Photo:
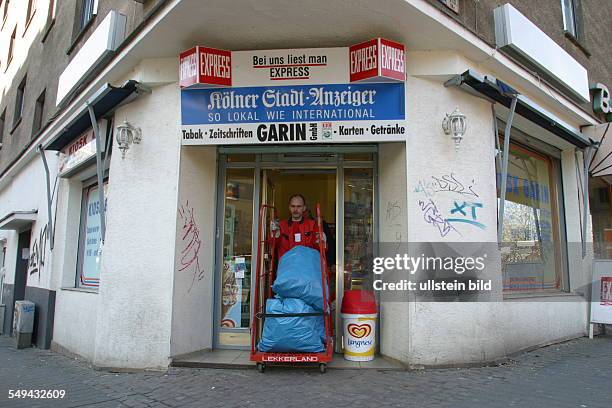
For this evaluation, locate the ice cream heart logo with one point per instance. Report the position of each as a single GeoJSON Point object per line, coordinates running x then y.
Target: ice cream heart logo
{"type": "Point", "coordinates": [359, 330]}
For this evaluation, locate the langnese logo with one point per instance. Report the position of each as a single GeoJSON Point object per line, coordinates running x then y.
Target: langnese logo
{"type": "Point", "coordinates": [359, 330]}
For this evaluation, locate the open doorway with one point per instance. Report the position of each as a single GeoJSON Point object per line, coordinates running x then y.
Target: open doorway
{"type": "Point", "coordinates": [344, 187]}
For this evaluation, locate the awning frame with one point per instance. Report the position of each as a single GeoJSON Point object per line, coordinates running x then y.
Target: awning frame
{"type": "Point", "coordinates": [495, 90]}
{"type": "Point", "coordinates": [102, 103]}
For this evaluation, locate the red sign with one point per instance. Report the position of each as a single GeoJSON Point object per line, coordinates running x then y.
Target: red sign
{"type": "Point", "coordinates": [377, 59]}
{"type": "Point", "coordinates": [205, 66]}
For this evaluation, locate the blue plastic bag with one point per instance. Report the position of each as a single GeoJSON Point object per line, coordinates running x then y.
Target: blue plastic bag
{"type": "Point", "coordinates": [299, 276]}
{"type": "Point", "coordinates": [292, 334]}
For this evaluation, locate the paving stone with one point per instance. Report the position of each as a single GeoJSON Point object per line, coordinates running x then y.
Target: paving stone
{"type": "Point", "coordinates": [577, 374]}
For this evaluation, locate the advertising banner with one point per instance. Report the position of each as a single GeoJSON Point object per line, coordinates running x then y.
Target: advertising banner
{"type": "Point", "coordinates": [294, 114]}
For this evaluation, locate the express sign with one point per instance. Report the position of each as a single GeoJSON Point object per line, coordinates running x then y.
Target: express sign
{"type": "Point", "coordinates": [202, 65]}
{"type": "Point", "coordinates": [377, 60]}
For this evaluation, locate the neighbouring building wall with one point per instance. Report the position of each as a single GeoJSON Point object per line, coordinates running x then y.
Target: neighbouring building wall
{"type": "Point", "coordinates": [27, 192]}
{"type": "Point", "coordinates": [193, 292]}
{"type": "Point", "coordinates": [137, 268]}
{"type": "Point", "coordinates": [591, 49]}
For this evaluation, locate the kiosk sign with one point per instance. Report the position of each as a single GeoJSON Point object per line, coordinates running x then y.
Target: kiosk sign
{"type": "Point", "coordinates": [295, 95]}
{"type": "Point", "coordinates": [302, 114]}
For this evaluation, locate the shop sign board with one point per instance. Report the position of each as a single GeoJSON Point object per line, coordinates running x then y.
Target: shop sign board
{"type": "Point", "coordinates": [601, 302]}
{"type": "Point", "coordinates": [294, 114]}
{"type": "Point", "coordinates": [81, 149]}
{"type": "Point", "coordinates": [329, 95]}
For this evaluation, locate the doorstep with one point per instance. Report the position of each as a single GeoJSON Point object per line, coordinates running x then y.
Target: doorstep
{"type": "Point", "coordinates": [240, 359]}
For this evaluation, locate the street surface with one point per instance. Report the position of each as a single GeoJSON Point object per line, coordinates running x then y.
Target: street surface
{"type": "Point", "coordinates": [577, 373]}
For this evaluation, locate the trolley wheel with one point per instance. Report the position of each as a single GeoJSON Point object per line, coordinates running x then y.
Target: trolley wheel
{"type": "Point", "coordinates": [261, 367]}
{"type": "Point", "coordinates": [322, 368]}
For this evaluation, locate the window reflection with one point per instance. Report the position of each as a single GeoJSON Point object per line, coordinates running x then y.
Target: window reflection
{"type": "Point", "coordinates": [529, 248]}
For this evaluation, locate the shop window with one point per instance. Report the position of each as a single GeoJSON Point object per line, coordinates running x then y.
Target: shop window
{"type": "Point", "coordinates": [19, 101]}
{"type": "Point", "coordinates": [358, 156]}
{"type": "Point", "coordinates": [5, 10]}
{"type": "Point", "coordinates": [241, 158]}
{"type": "Point", "coordinates": [90, 237]}
{"type": "Point", "coordinates": [88, 10]}
{"type": "Point", "coordinates": [237, 267]}
{"type": "Point", "coordinates": [2, 120]}
{"type": "Point", "coordinates": [39, 110]}
{"type": "Point", "coordinates": [30, 12]}
{"type": "Point", "coordinates": [601, 217]}
{"type": "Point", "coordinates": [531, 258]}
{"type": "Point", "coordinates": [571, 18]}
{"type": "Point", "coordinates": [11, 47]}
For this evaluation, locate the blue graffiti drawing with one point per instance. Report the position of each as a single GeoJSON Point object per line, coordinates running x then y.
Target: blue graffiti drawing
{"type": "Point", "coordinates": [463, 210]}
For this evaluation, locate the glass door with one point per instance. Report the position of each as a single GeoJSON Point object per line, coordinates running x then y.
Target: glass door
{"type": "Point", "coordinates": [235, 282]}
{"type": "Point", "coordinates": [358, 228]}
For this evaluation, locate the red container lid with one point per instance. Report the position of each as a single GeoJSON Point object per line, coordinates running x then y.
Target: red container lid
{"type": "Point", "coordinates": [358, 302]}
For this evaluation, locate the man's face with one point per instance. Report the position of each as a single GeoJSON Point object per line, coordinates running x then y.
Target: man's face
{"type": "Point", "coordinates": [296, 208]}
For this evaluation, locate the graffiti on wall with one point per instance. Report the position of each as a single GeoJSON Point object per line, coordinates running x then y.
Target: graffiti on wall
{"type": "Point", "coordinates": [463, 209]}
{"type": "Point", "coordinates": [449, 183]}
{"type": "Point", "coordinates": [190, 244]}
{"type": "Point", "coordinates": [393, 219]}
{"type": "Point", "coordinates": [432, 216]}
{"type": "Point", "coordinates": [38, 253]}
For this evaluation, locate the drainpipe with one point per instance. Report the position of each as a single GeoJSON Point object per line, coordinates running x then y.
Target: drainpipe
{"type": "Point", "coordinates": [587, 157]}
{"type": "Point", "coordinates": [504, 170]}
{"type": "Point", "coordinates": [41, 151]}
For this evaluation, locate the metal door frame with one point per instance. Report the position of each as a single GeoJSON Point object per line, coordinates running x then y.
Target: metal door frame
{"type": "Point", "coordinates": [335, 163]}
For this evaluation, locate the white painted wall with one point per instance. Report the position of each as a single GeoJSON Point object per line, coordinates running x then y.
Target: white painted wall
{"type": "Point", "coordinates": [74, 326]}
{"type": "Point", "coordinates": [452, 333]}
{"type": "Point", "coordinates": [394, 325]}
{"type": "Point", "coordinates": [193, 294]}
{"type": "Point", "coordinates": [137, 269]}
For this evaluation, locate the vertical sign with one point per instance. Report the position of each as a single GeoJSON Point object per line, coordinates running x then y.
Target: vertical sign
{"type": "Point", "coordinates": [205, 66]}
{"type": "Point", "coordinates": [377, 60]}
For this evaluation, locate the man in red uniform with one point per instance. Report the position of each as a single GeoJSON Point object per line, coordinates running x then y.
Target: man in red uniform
{"type": "Point", "coordinates": [298, 229]}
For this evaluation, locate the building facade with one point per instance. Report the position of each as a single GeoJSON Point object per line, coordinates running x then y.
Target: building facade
{"type": "Point", "coordinates": [138, 253]}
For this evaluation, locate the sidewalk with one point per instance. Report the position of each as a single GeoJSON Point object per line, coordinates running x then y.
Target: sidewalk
{"type": "Point", "coordinates": [577, 373]}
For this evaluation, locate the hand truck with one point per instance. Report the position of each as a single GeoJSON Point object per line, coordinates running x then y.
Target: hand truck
{"type": "Point", "coordinates": [264, 278]}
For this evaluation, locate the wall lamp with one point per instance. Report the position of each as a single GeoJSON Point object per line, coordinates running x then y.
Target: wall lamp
{"type": "Point", "coordinates": [455, 124]}
{"type": "Point", "coordinates": [126, 135]}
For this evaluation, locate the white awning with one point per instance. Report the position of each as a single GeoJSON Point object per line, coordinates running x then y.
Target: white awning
{"type": "Point", "coordinates": [17, 220]}
{"type": "Point", "coordinates": [601, 165]}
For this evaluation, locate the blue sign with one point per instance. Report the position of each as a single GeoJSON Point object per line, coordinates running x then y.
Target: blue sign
{"type": "Point", "coordinates": [306, 103]}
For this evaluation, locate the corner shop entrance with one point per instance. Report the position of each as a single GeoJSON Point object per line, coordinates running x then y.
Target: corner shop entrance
{"type": "Point", "coordinates": [327, 175]}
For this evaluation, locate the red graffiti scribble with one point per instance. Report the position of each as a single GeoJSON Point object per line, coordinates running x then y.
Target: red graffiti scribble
{"type": "Point", "coordinates": [191, 243]}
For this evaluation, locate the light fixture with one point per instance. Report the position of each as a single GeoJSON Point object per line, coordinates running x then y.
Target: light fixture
{"type": "Point", "coordinates": [455, 124]}
{"type": "Point", "coordinates": [126, 135]}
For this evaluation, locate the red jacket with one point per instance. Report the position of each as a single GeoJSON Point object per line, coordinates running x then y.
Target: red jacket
{"type": "Point", "coordinates": [295, 233]}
